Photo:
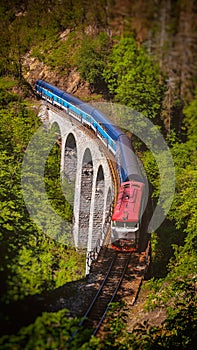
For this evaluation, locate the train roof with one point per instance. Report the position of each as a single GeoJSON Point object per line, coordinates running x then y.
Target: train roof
{"type": "Point", "coordinates": [60, 93]}
{"type": "Point", "coordinates": [128, 207]}
{"type": "Point", "coordinates": [113, 131]}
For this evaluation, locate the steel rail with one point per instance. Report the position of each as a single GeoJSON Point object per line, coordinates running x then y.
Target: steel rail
{"type": "Point", "coordinates": [99, 291]}
{"type": "Point", "coordinates": [84, 318]}
{"type": "Point", "coordinates": [96, 297]}
{"type": "Point", "coordinates": [113, 296]}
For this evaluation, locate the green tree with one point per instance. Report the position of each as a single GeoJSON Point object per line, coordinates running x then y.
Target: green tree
{"type": "Point", "coordinates": [91, 58]}
{"type": "Point", "coordinates": [133, 78]}
{"type": "Point", "coordinates": [184, 209]}
{"type": "Point", "coordinates": [30, 261]}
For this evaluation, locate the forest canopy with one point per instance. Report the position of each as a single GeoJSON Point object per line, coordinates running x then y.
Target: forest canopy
{"type": "Point", "coordinates": [142, 55]}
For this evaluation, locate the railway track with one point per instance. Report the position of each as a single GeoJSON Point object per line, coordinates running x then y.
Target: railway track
{"type": "Point", "coordinates": [114, 265]}
{"type": "Point", "coordinates": [99, 306]}
{"type": "Point", "coordinates": [120, 275]}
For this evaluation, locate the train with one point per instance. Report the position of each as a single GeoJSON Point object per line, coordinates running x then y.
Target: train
{"type": "Point", "coordinates": [128, 210]}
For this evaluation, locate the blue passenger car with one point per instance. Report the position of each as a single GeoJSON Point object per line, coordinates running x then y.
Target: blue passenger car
{"type": "Point", "coordinates": [75, 107]}
{"type": "Point", "coordinates": [111, 135]}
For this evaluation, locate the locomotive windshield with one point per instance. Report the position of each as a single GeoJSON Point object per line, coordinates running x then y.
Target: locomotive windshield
{"type": "Point", "coordinates": [125, 224]}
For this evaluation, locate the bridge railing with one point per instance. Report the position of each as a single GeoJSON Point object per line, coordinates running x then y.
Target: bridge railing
{"type": "Point", "coordinates": [105, 240]}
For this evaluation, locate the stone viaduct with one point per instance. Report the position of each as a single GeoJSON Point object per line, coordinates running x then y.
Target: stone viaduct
{"type": "Point", "coordinates": [86, 180]}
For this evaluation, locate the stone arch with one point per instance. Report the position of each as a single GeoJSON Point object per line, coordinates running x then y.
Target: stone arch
{"type": "Point", "coordinates": [70, 141]}
{"type": "Point", "coordinates": [98, 208]}
{"type": "Point", "coordinates": [70, 158]}
{"type": "Point", "coordinates": [69, 168]}
{"type": "Point", "coordinates": [85, 198]}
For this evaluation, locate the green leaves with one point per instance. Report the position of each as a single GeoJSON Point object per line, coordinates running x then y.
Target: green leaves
{"type": "Point", "coordinates": [184, 209]}
{"type": "Point", "coordinates": [91, 57]}
{"type": "Point", "coordinates": [190, 121]}
{"type": "Point", "coordinates": [177, 291]}
{"type": "Point", "coordinates": [50, 331]}
{"type": "Point", "coordinates": [133, 78]}
{"type": "Point", "coordinates": [30, 261]}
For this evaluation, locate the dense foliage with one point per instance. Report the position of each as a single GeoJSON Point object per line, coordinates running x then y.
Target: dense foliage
{"type": "Point", "coordinates": [30, 261]}
{"type": "Point", "coordinates": [134, 79]}
{"type": "Point", "coordinates": [91, 58]}
{"type": "Point", "coordinates": [145, 60]}
{"type": "Point", "coordinates": [50, 331]}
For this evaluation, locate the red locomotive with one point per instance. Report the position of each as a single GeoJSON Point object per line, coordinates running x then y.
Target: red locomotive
{"type": "Point", "coordinates": [127, 216]}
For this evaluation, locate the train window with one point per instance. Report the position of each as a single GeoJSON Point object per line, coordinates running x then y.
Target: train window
{"type": "Point", "coordinates": [127, 186]}
{"type": "Point", "coordinates": [132, 224]}
{"type": "Point", "coordinates": [118, 223]}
